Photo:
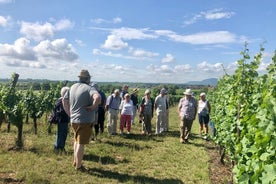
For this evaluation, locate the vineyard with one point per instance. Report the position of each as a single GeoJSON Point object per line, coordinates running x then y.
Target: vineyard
{"type": "Point", "coordinates": [243, 111]}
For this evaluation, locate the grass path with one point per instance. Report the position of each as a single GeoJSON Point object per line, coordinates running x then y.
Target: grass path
{"type": "Point", "coordinates": [131, 158]}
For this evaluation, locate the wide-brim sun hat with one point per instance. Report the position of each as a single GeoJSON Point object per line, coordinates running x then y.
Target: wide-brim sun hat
{"type": "Point", "coordinates": [147, 91]}
{"type": "Point", "coordinates": [127, 95]}
{"type": "Point", "coordinates": [84, 74]}
{"type": "Point", "coordinates": [135, 90]}
{"type": "Point", "coordinates": [202, 94]}
{"type": "Point", "coordinates": [188, 92]}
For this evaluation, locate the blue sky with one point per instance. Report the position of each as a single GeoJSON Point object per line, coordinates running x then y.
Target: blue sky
{"type": "Point", "coordinates": [168, 41]}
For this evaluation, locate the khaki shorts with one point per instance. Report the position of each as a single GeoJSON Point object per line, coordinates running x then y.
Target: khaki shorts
{"type": "Point", "coordinates": [82, 132]}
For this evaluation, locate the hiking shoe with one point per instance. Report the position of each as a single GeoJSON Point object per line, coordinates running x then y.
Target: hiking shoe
{"type": "Point", "coordinates": [82, 169]}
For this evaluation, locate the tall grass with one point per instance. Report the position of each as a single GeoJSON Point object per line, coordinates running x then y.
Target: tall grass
{"type": "Point", "coordinates": [131, 158]}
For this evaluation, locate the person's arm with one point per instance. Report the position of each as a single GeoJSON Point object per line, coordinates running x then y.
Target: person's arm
{"type": "Point", "coordinates": [179, 107]}
{"type": "Point", "coordinates": [66, 105]}
{"type": "Point", "coordinates": [195, 101]}
{"type": "Point", "coordinates": [96, 101]}
{"type": "Point", "coordinates": [209, 106]}
{"type": "Point", "coordinates": [155, 103]}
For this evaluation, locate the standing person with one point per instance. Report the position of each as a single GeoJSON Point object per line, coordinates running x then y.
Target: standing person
{"type": "Point", "coordinates": [161, 107]}
{"type": "Point", "coordinates": [187, 109]}
{"type": "Point", "coordinates": [62, 124]}
{"type": "Point", "coordinates": [124, 91]}
{"type": "Point", "coordinates": [146, 112]}
{"type": "Point", "coordinates": [204, 109]}
{"type": "Point", "coordinates": [99, 127]}
{"type": "Point", "coordinates": [112, 107]}
{"type": "Point", "coordinates": [82, 100]}
{"type": "Point", "coordinates": [134, 98]}
{"type": "Point", "coordinates": [166, 126]}
{"type": "Point", "coordinates": [126, 109]}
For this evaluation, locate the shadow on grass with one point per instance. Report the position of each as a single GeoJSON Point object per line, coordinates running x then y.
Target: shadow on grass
{"type": "Point", "coordinates": [132, 146]}
{"type": "Point", "coordinates": [122, 178]}
{"type": "Point", "coordinates": [103, 160]}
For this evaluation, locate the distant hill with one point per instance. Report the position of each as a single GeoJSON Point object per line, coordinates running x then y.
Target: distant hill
{"type": "Point", "coordinates": [210, 81]}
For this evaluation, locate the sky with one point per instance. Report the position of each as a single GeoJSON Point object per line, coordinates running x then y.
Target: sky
{"type": "Point", "coordinates": [151, 41]}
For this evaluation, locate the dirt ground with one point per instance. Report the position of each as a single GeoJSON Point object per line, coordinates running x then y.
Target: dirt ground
{"type": "Point", "coordinates": [219, 173]}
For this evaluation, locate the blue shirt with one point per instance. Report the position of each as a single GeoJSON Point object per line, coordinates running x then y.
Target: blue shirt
{"type": "Point", "coordinates": [113, 102]}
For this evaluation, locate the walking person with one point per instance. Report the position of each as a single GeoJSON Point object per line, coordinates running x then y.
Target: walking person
{"type": "Point", "coordinates": [146, 112]}
{"type": "Point", "coordinates": [112, 108]}
{"type": "Point", "coordinates": [99, 127]}
{"type": "Point", "coordinates": [62, 124]}
{"type": "Point", "coordinates": [161, 107]}
{"type": "Point", "coordinates": [134, 99]}
{"type": "Point", "coordinates": [126, 110]}
{"type": "Point", "coordinates": [81, 103]}
{"type": "Point", "coordinates": [187, 109]}
{"type": "Point", "coordinates": [204, 109]}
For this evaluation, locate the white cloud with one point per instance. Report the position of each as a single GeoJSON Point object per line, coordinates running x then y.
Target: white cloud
{"type": "Point", "coordinates": [80, 42]}
{"type": "Point", "coordinates": [45, 55]}
{"type": "Point", "coordinates": [160, 70]}
{"type": "Point", "coordinates": [37, 31]}
{"type": "Point", "coordinates": [5, 1]}
{"type": "Point", "coordinates": [203, 38]}
{"type": "Point", "coordinates": [132, 33]}
{"type": "Point", "coordinates": [183, 68]}
{"type": "Point", "coordinates": [217, 14]}
{"type": "Point", "coordinates": [63, 24]}
{"type": "Point", "coordinates": [4, 21]}
{"type": "Point", "coordinates": [57, 49]}
{"type": "Point", "coordinates": [20, 50]}
{"type": "Point", "coordinates": [210, 15]}
{"type": "Point", "coordinates": [168, 59]}
{"type": "Point", "coordinates": [214, 37]}
{"type": "Point", "coordinates": [114, 42]}
{"type": "Point", "coordinates": [115, 20]}
{"type": "Point", "coordinates": [142, 53]}
{"type": "Point", "coordinates": [207, 67]}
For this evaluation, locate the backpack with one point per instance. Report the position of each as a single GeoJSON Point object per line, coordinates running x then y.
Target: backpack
{"type": "Point", "coordinates": [55, 116]}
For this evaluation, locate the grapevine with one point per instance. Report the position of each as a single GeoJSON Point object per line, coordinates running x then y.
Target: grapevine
{"type": "Point", "coordinates": [244, 110]}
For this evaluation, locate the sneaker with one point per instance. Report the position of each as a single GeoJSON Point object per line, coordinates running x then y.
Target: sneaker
{"type": "Point", "coordinates": [128, 132]}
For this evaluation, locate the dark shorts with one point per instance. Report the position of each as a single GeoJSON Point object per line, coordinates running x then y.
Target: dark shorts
{"type": "Point", "coordinates": [82, 132]}
{"type": "Point", "coordinates": [203, 119]}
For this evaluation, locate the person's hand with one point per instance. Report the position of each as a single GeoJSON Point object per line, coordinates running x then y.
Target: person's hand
{"type": "Point", "coordinates": [89, 108]}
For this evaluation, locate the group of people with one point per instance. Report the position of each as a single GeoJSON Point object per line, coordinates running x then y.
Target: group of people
{"type": "Point", "coordinates": [127, 106]}
{"type": "Point", "coordinates": [85, 106]}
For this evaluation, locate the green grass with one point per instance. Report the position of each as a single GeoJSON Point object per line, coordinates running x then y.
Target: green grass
{"type": "Point", "coordinates": [112, 159]}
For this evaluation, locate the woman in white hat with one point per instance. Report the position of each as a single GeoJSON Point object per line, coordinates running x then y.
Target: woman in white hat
{"type": "Point", "coordinates": [187, 109]}
{"type": "Point", "coordinates": [204, 109]}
